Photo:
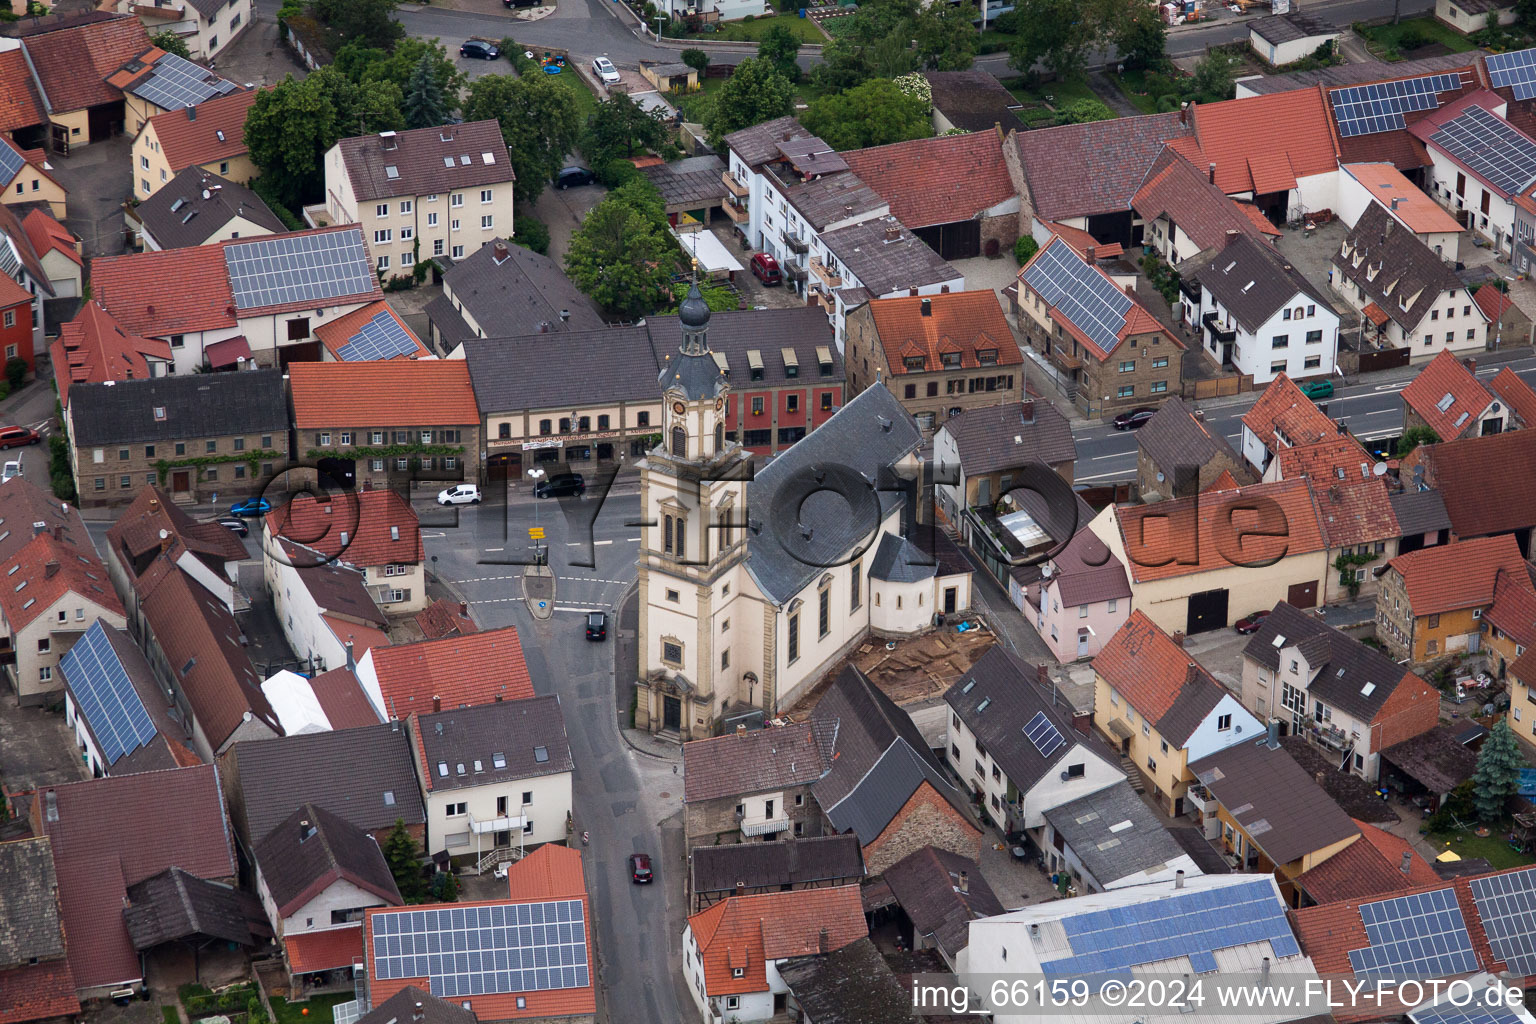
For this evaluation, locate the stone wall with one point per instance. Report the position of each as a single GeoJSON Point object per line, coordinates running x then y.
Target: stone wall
{"type": "Point", "coordinates": [926, 820]}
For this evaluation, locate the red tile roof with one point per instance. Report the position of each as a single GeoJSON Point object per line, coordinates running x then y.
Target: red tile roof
{"type": "Point", "coordinates": [1370, 867]}
{"type": "Point", "coordinates": [1494, 303]}
{"type": "Point", "coordinates": [1264, 143]}
{"type": "Point", "coordinates": [1375, 314]}
{"type": "Point", "coordinates": [1137, 319]}
{"type": "Point", "coordinates": [1415, 209]}
{"type": "Point", "coordinates": [363, 528]}
{"type": "Point", "coordinates": [323, 951]}
{"type": "Point", "coordinates": [962, 323]}
{"type": "Point", "coordinates": [37, 992]}
{"type": "Point", "coordinates": [1515, 392]}
{"type": "Point", "coordinates": [1079, 170]}
{"type": "Point", "coordinates": [1184, 193]}
{"type": "Point", "coordinates": [73, 63]}
{"type": "Point", "coordinates": [133, 289]}
{"type": "Point", "coordinates": [551, 872]}
{"type": "Point", "coordinates": [47, 569]}
{"type": "Point", "coordinates": [20, 106]}
{"type": "Point", "coordinates": [1447, 396]}
{"type": "Point", "coordinates": [13, 294]}
{"type": "Point", "coordinates": [1514, 607]}
{"type": "Point", "coordinates": [1481, 502]}
{"type": "Point", "coordinates": [1081, 241]}
{"type": "Point", "coordinates": [443, 618]}
{"type": "Point", "coordinates": [1271, 521]}
{"type": "Point", "coordinates": [93, 348]}
{"type": "Point", "coordinates": [1448, 577]}
{"type": "Point", "coordinates": [189, 143]}
{"type": "Point", "coordinates": [47, 234]}
{"type": "Point", "coordinates": [1339, 457]}
{"type": "Point", "coordinates": [938, 180]}
{"type": "Point", "coordinates": [460, 670]}
{"type": "Point", "coordinates": [1158, 678]}
{"type": "Point", "coordinates": [363, 638]}
{"type": "Point", "coordinates": [178, 821]}
{"type": "Point", "coordinates": [747, 931]}
{"type": "Point", "coordinates": [1225, 482]}
{"type": "Point", "coordinates": [1282, 407]}
{"type": "Point", "coordinates": [342, 699]}
{"type": "Point", "coordinates": [1353, 512]}
{"type": "Point", "coordinates": [338, 332]}
{"type": "Point", "coordinates": [391, 392]}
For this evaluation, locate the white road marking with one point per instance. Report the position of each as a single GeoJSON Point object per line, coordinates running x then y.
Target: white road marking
{"type": "Point", "coordinates": [1113, 455]}
{"type": "Point", "coordinates": [590, 579]}
{"type": "Point", "coordinates": [633, 540]}
{"type": "Point", "coordinates": [583, 608]}
{"type": "Point", "coordinates": [1101, 476]}
{"type": "Point", "coordinates": [495, 549]}
{"type": "Point", "coordinates": [1381, 412]}
{"type": "Point", "coordinates": [600, 543]}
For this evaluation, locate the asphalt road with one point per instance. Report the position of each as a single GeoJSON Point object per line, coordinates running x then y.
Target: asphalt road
{"type": "Point", "coordinates": [621, 797]}
{"type": "Point", "coordinates": [1371, 411]}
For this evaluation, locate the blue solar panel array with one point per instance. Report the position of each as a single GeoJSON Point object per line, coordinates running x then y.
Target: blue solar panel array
{"type": "Point", "coordinates": [1414, 936]}
{"type": "Point", "coordinates": [1083, 295]}
{"type": "Point", "coordinates": [472, 951]}
{"type": "Point", "coordinates": [1491, 148]}
{"type": "Point", "coordinates": [1043, 734]}
{"type": "Point", "coordinates": [381, 338]}
{"type": "Point", "coordinates": [11, 163]}
{"type": "Point", "coordinates": [1110, 942]}
{"type": "Point", "coordinates": [1367, 109]}
{"type": "Point", "coordinates": [311, 268]}
{"type": "Point", "coordinates": [1516, 70]}
{"type": "Point", "coordinates": [105, 695]}
{"type": "Point", "coordinates": [176, 83]}
{"type": "Point", "coordinates": [1507, 906]}
{"type": "Point", "coordinates": [1445, 1013]}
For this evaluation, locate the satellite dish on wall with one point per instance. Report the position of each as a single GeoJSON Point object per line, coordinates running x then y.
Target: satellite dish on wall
{"type": "Point", "coordinates": [1380, 469]}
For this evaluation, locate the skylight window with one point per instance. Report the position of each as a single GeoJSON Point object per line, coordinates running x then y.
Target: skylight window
{"type": "Point", "coordinates": [986, 703]}
{"type": "Point", "coordinates": [498, 760]}
{"type": "Point", "coordinates": [541, 754]}
{"type": "Point", "coordinates": [1367, 689]}
{"type": "Point", "coordinates": [964, 689]}
{"type": "Point", "coordinates": [489, 158]}
{"type": "Point", "coordinates": [391, 172]}
{"type": "Point", "coordinates": [389, 798]}
{"type": "Point", "coordinates": [1446, 402]}
{"type": "Point", "coordinates": [447, 161]}
{"type": "Point", "coordinates": [442, 769]}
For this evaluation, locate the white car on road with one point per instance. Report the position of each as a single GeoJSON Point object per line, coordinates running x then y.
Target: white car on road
{"type": "Point", "coordinates": [12, 469]}
{"type": "Point", "coordinates": [604, 69]}
{"type": "Point", "coordinates": [459, 494]}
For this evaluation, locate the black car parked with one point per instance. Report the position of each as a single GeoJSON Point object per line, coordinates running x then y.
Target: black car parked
{"type": "Point", "coordinates": [483, 49]}
{"type": "Point", "coordinates": [563, 486]}
{"type": "Point", "coordinates": [574, 177]}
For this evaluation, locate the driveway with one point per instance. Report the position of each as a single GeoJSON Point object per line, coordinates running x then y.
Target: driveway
{"type": "Point", "coordinates": [99, 177]}
{"type": "Point", "coordinates": [36, 751]}
{"type": "Point", "coordinates": [562, 211]}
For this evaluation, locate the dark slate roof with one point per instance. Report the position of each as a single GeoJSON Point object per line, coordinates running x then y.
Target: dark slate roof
{"type": "Point", "coordinates": [176, 905]}
{"type": "Point", "coordinates": [1254, 282]}
{"type": "Point", "coordinates": [973, 100]}
{"type": "Point", "coordinates": [473, 737]}
{"type": "Point", "coordinates": [1174, 437]}
{"type": "Point", "coordinates": [1437, 759]}
{"type": "Point", "coordinates": [513, 297]}
{"type": "Point", "coordinates": [927, 885]}
{"type": "Point", "coordinates": [1206, 857]}
{"type": "Point", "coordinates": [885, 265]}
{"type": "Point", "coordinates": [898, 560]}
{"type": "Point", "coordinates": [696, 180]}
{"type": "Point", "coordinates": [197, 405]}
{"type": "Point", "coordinates": [402, 1007]}
{"type": "Point", "coordinates": [1354, 74]}
{"type": "Point", "coordinates": [830, 198]}
{"type": "Point", "coordinates": [868, 436]}
{"type": "Point", "coordinates": [1290, 28]}
{"type": "Point", "coordinates": [760, 143]}
{"type": "Point", "coordinates": [511, 374]}
{"type": "Point", "coordinates": [313, 848]}
{"type": "Point", "coordinates": [880, 759]}
{"type": "Point", "coordinates": [1008, 688]}
{"type": "Point", "coordinates": [1090, 824]}
{"type": "Point", "coordinates": [1348, 669]}
{"type": "Point", "coordinates": [1008, 436]}
{"type": "Point", "coordinates": [1078, 170]}
{"type": "Point", "coordinates": [1284, 811]}
{"type": "Point", "coordinates": [445, 158]}
{"type": "Point", "coordinates": [785, 862]}
{"type": "Point", "coordinates": [195, 219]}
{"type": "Point", "coordinates": [29, 903]}
{"type": "Point", "coordinates": [1087, 572]}
{"type": "Point", "coordinates": [451, 327]}
{"type": "Point", "coordinates": [696, 375]}
{"type": "Point", "coordinates": [1420, 512]}
{"type": "Point", "coordinates": [850, 986]}
{"type": "Point", "coordinates": [805, 329]}
{"type": "Point", "coordinates": [1402, 262]}
{"type": "Point", "coordinates": [353, 772]}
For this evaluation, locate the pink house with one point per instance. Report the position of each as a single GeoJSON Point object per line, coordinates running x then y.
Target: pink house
{"type": "Point", "coordinates": [1080, 600]}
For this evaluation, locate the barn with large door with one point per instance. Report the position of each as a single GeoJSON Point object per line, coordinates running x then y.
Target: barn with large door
{"type": "Point", "coordinates": [1203, 562]}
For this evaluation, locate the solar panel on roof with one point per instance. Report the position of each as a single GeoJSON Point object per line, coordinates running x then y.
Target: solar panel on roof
{"type": "Point", "coordinates": [10, 259]}
{"type": "Point", "coordinates": [299, 269]}
{"type": "Point", "coordinates": [380, 338]}
{"type": "Point", "coordinates": [1513, 70]}
{"type": "Point", "coordinates": [11, 163]}
{"type": "Point", "coordinates": [1083, 295]}
{"type": "Point", "coordinates": [1491, 148]}
{"type": "Point", "coordinates": [1367, 109]}
{"type": "Point", "coordinates": [471, 951]}
{"type": "Point", "coordinates": [176, 83]}
{"type": "Point", "coordinates": [1043, 734]}
{"type": "Point", "coordinates": [1507, 905]}
{"type": "Point", "coordinates": [105, 695]}
{"type": "Point", "coordinates": [1474, 1013]}
{"type": "Point", "coordinates": [1422, 935]}
{"type": "Point", "coordinates": [1187, 924]}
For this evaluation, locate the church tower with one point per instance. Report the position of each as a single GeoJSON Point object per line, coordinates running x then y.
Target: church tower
{"type": "Point", "coordinates": [693, 491]}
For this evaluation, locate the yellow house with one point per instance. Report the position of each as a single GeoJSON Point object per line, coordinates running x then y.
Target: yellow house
{"type": "Point", "coordinates": [24, 178]}
{"type": "Point", "coordinates": [1510, 625]}
{"type": "Point", "coordinates": [1270, 815]}
{"type": "Point", "coordinates": [210, 135]}
{"type": "Point", "coordinates": [1431, 602]}
{"type": "Point", "coordinates": [1161, 710]}
{"type": "Point", "coordinates": [1203, 562]}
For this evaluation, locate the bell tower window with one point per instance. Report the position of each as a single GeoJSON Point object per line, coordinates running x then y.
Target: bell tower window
{"type": "Point", "coordinates": [719, 438]}
{"type": "Point", "coordinates": [679, 442]}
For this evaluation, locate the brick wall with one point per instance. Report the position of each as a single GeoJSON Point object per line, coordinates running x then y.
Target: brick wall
{"type": "Point", "coordinates": [102, 483]}
{"type": "Point", "coordinates": [926, 820]}
{"type": "Point", "coordinates": [1412, 710]}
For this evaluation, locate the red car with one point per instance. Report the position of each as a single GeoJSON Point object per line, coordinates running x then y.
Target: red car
{"type": "Point", "coordinates": [1252, 624]}
{"type": "Point", "coordinates": [766, 269]}
{"type": "Point", "coordinates": [640, 868]}
{"type": "Point", "coordinates": [15, 437]}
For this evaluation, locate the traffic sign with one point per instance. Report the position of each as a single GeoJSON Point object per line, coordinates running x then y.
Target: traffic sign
{"type": "Point", "coordinates": [535, 533]}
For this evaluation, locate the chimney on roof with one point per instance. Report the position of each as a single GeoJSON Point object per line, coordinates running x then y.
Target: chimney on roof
{"type": "Point", "coordinates": [165, 540]}
{"type": "Point", "coordinates": [1211, 171]}
{"type": "Point", "coordinates": [789, 137]}
{"type": "Point", "coordinates": [1471, 365]}
{"type": "Point", "coordinates": [1342, 428]}
{"type": "Point", "coordinates": [437, 703]}
{"type": "Point", "coordinates": [1231, 234]}
{"type": "Point", "coordinates": [1091, 253]}
{"type": "Point", "coordinates": [1407, 861]}
{"type": "Point", "coordinates": [1043, 674]}
{"type": "Point", "coordinates": [1184, 112]}
{"type": "Point", "coordinates": [1264, 972]}
{"type": "Point", "coordinates": [417, 1013]}
{"type": "Point", "coordinates": [964, 884]}
{"type": "Point", "coordinates": [191, 111]}
{"type": "Point", "coordinates": [1395, 201]}
{"type": "Point", "coordinates": [351, 661]}
{"type": "Point", "coordinates": [1027, 413]}
{"type": "Point", "coordinates": [50, 569]}
{"type": "Point", "coordinates": [464, 609]}
{"type": "Point", "coordinates": [1178, 879]}
{"type": "Point", "coordinates": [1272, 739]}
{"type": "Point", "coordinates": [1318, 776]}
{"type": "Point", "coordinates": [1199, 415]}
{"type": "Point", "coordinates": [741, 728]}
{"type": "Point", "coordinates": [892, 234]}
{"type": "Point", "coordinates": [1178, 638]}
{"type": "Point", "coordinates": [500, 253]}
{"type": "Point", "coordinates": [822, 941]}
{"type": "Point", "coordinates": [943, 289]}
{"type": "Point", "coordinates": [58, 532]}
{"type": "Point", "coordinates": [927, 306]}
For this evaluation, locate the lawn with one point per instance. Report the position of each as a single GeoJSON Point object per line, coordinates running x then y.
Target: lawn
{"type": "Point", "coordinates": [319, 1007]}
{"type": "Point", "coordinates": [696, 105]}
{"type": "Point", "coordinates": [1384, 38]}
{"type": "Point", "coordinates": [569, 79]}
{"type": "Point", "coordinates": [170, 1015]}
{"type": "Point", "coordinates": [1057, 94]}
{"type": "Point", "coordinates": [1133, 86]}
{"type": "Point", "coordinates": [803, 29]}
{"type": "Point", "coordinates": [1495, 847]}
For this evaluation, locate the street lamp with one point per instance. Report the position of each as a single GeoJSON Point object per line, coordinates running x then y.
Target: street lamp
{"type": "Point", "coordinates": [536, 474]}
{"type": "Point", "coordinates": [659, 19]}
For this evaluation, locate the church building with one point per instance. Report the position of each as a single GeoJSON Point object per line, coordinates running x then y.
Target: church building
{"type": "Point", "coordinates": [757, 578]}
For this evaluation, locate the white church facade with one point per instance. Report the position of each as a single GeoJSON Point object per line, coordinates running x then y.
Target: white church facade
{"type": "Point", "coordinates": [757, 579]}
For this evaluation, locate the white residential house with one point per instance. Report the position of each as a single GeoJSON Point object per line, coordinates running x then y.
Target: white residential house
{"type": "Point", "coordinates": [1111, 839]}
{"type": "Point", "coordinates": [1481, 181]}
{"type": "Point", "coordinates": [323, 607]}
{"type": "Point", "coordinates": [206, 26]}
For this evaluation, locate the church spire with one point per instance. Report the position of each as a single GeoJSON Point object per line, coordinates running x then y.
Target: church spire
{"type": "Point", "coordinates": [694, 316]}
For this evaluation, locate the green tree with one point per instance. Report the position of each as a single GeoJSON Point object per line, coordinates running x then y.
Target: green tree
{"type": "Point", "coordinates": [531, 233]}
{"type": "Point", "coordinates": [170, 42]}
{"type": "Point", "coordinates": [1412, 438]}
{"type": "Point", "coordinates": [779, 47]}
{"type": "Point", "coordinates": [1083, 111]}
{"type": "Point", "coordinates": [754, 94]}
{"type": "Point", "coordinates": [620, 257]}
{"type": "Point", "coordinates": [619, 124]}
{"type": "Point", "coordinates": [719, 300]}
{"type": "Point", "coordinates": [372, 21]}
{"type": "Point", "coordinates": [400, 64]}
{"type": "Point", "coordinates": [1024, 249]}
{"type": "Point", "coordinates": [1139, 36]}
{"type": "Point", "coordinates": [404, 859]}
{"type": "Point", "coordinates": [946, 37]}
{"type": "Point", "coordinates": [1497, 776]}
{"type": "Point", "coordinates": [540, 122]}
{"type": "Point", "coordinates": [845, 65]}
{"type": "Point", "coordinates": [872, 114]}
{"type": "Point", "coordinates": [696, 59]}
{"type": "Point", "coordinates": [1213, 79]}
{"type": "Point", "coordinates": [1055, 33]}
{"type": "Point", "coordinates": [357, 60]}
{"type": "Point", "coordinates": [641, 196]}
{"type": "Point", "coordinates": [424, 103]}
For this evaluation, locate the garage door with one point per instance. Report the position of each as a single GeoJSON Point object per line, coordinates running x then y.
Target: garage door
{"type": "Point", "coordinates": [1302, 595]}
{"type": "Point", "coordinates": [1207, 611]}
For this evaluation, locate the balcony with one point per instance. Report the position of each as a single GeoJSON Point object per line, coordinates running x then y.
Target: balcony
{"type": "Point", "coordinates": [736, 211]}
{"type": "Point", "coordinates": [1330, 737]}
{"type": "Point", "coordinates": [734, 187]}
{"type": "Point", "coordinates": [795, 243]}
{"type": "Point", "coordinates": [765, 826]}
{"type": "Point", "coordinates": [828, 279]}
{"type": "Point", "coordinates": [1201, 800]}
{"type": "Point", "coordinates": [1226, 337]}
{"type": "Point", "coordinates": [793, 270]}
